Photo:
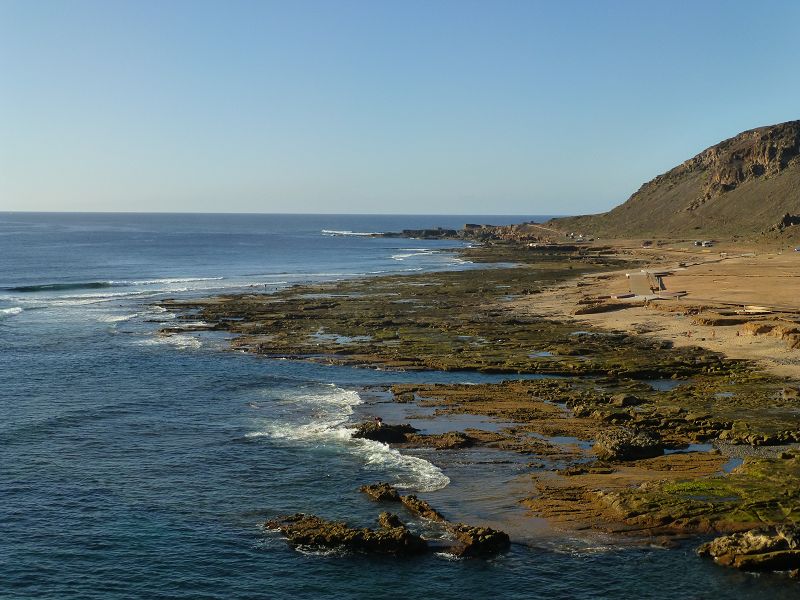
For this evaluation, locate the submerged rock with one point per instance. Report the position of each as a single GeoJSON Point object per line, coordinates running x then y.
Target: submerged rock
{"type": "Point", "coordinates": [627, 444]}
{"type": "Point", "coordinates": [765, 549]}
{"type": "Point", "coordinates": [310, 530]}
{"type": "Point", "coordinates": [380, 432]}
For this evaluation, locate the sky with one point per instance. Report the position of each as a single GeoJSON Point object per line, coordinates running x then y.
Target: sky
{"type": "Point", "coordinates": [336, 106]}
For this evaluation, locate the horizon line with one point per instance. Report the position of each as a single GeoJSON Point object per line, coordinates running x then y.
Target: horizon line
{"type": "Point", "coordinates": [297, 214]}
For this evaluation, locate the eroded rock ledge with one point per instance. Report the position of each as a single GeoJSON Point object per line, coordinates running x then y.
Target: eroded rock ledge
{"type": "Point", "coordinates": [764, 549]}
{"type": "Point", "coordinates": [470, 540]}
{"type": "Point", "coordinates": [393, 537]}
{"type": "Point", "coordinates": [309, 530]}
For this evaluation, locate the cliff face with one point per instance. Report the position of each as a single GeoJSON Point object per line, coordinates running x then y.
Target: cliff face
{"type": "Point", "coordinates": [744, 185]}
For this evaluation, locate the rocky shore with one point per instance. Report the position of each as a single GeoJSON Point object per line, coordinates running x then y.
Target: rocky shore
{"type": "Point", "coordinates": [393, 537]}
{"type": "Point", "coordinates": [625, 433]}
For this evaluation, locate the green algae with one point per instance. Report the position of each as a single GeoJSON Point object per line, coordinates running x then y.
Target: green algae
{"type": "Point", "coordinates": [761, 491]}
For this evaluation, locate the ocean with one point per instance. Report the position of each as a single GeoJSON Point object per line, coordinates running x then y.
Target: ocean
{"type": "Point", "coordinates": [134, 465]}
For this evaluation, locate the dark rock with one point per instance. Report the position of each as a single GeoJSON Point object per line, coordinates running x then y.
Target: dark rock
{"type": "Point", "coordinates": [383, 433]}
{"type": "Point", "coordinates": [627, 444]}
{"type": "Point", "coordinates": [310, 530]}
{"type": "Point", "coordinates": [381, 491]}
{"type": "Point", "coordinates": [765, 549]}
{"type": "Point", "coordinates": [479, 541]}
{"type": "Point", "coordinates": [625, 400]}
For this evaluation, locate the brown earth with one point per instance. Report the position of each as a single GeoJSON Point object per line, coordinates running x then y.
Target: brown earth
{"type": "Point", "coordinates": [716, 284]}
{"type": "Point", "coordinates": [742, 186]}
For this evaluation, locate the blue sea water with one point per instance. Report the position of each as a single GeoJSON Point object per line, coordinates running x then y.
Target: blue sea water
{"type": "Point", "coordinates": [140, 466]}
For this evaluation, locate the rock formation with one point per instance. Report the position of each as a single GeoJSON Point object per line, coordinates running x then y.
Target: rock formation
{"type": "Point", "coordinates": [627, 444]}
{"type": "Point", "coordinates": [470, 540]}
{"type": "Point", "coordinates": [310, 530]}
{"type": "Point", "coordinates": [767, 549]}
{"type": "Point", "coordinates": [379, 432]}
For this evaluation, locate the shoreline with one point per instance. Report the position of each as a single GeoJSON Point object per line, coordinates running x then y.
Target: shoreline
{"type": "Point", "coordinates": [518, 320]}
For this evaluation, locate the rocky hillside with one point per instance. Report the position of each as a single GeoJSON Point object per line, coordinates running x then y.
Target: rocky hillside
{"type": "Point", "coordinates": [747, 185]}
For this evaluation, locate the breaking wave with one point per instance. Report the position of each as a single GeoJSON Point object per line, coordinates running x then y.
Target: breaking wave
{"type": "Point", "coordinates": [179, 341]}
{"type": "Point", "coordinates": [331, 411]}
{"type": "Point", "coordinates": [96, 285]}
{"type": "Point", "coordinates": [410, 252]}
{"type": "Point", "coordinates": [10, 312]}
{"type": "Point", "coordinates": [334, 232]}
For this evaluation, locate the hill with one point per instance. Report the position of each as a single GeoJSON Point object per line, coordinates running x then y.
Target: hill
{"type": "Point", "coordinates": [746, 186]}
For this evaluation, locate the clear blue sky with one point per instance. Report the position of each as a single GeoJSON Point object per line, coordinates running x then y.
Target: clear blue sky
{"type": "Point", "coordinates": [493, 107]}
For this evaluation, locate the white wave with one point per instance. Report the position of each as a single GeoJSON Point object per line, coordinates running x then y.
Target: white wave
{"type": "Point", "coordinates": [10, 312]}
{"type": "Point", "coordinates": [160, 314]}
{"type": "Point", "coordinates": [417, 472]}
{"type": "Point", "coordinates": [317, 551]}
{"type": "Point", "coordinates": [331, 412]}
{"type": "Point", "coordinates": [165, 281]}
{"type": "Point", "coordinates": [180, 341]}
{"type": "Point", "coordinates": [348, 232]}
{"type": "Point", "coordinates": [94, 298]}
{"type": "Point", "coordinates": [116, 318]}
{"type": "Point", "coordinates": [410, 254]}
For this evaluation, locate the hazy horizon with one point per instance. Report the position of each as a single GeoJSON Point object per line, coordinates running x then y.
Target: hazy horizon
{"type": "Point", "coordinates": [299, 214]}
{"type": "Point", "coordinates": [375, 108]}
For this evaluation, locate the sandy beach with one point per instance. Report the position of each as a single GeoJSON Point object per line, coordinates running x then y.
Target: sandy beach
{"type": "Point", "coordinates": [723, 282]}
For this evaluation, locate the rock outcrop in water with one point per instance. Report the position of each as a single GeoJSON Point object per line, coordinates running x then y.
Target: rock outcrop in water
{"type": "Point", "coordinates": [767, 549]}
{"type": "Point", "coordinates": [310, 530]}
{"type": "Point", "coordinates": [388, 434]}
{"type": "Point", "coordinates": [381, 492]}
{"type": "Point", "coordinates": [470, 540]}
{"type": "Point", "coordinates": [393, 537]}
{"type": "Point", "coordinates": [479, 541]}
{"type": "Point", "coordinates": [422, 508]}
{"type": "Point", "coordinates": [384, 492]}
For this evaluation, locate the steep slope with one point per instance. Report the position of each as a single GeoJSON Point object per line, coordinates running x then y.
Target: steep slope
{"type": "Point", "coordinates": [745, 185]}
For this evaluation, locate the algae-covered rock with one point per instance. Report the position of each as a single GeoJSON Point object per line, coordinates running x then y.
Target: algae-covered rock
{"type": "Point", "coordinates": [627, 444]}
{"type": "Point", "coordinates": [310, 530]}
{"type": "Point", "coordinates": [765, 549]}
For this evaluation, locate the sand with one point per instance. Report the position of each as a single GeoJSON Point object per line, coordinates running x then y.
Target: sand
{"type": "Point", "coordinates": [725, 279]}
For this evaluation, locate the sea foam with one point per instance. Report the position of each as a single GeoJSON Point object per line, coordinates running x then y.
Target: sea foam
{"type": "Point", "coordinates": [10, 312]}
{"type": "Point", "coordinates": [334, 232]}
{"type": "Point", "coordinates": [330, 411]}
